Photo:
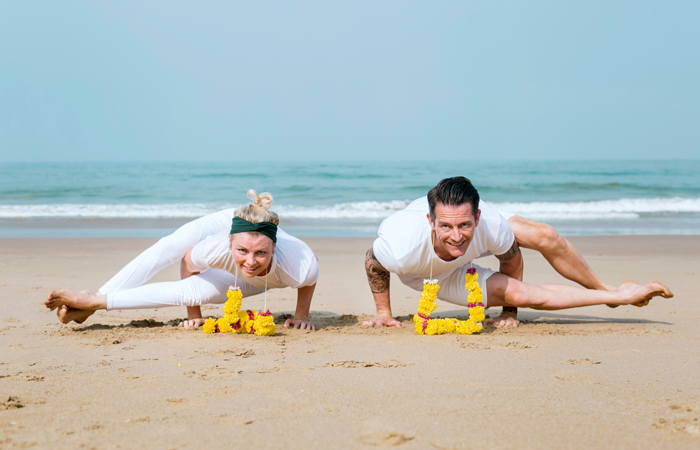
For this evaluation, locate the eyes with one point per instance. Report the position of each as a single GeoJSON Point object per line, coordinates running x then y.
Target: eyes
{"type": "Point", "coordinates": [445, 226]}
{"type": "Point", "coordinates": [244, 251]}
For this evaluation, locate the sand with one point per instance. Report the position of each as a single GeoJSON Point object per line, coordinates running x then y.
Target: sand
{"type": "Point", "coordinates": [593, 377]}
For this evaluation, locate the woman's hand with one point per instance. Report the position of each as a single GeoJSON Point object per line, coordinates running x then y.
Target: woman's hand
{"type": "Point", "coordinates": [300, 323]}
{"type": "Point", "coordinates": [192, 323]}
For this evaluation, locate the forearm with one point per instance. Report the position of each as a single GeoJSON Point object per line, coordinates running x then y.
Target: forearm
{"type": "Point", "coordinates": [513, 268]}
{"type": "Point", "coordinates": [512, 264]}
{"type": "Point", "coordinates": [194, 312]}
{"type": "Point", "coordinates": [187, 268]}
{"type": "Point", "coordinates": [378, 278]}
{"type": "Point", "coordinates": [383, 303]}
{"type": "Point", "coordinates": [304, 296]}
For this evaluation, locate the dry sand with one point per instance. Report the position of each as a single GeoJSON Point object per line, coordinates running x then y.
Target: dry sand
{"type": "Point", "coordinates": [594, 377]}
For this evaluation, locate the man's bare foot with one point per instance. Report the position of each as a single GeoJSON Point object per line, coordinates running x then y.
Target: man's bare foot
{"type": "Point", "coordinates": [640, 295]}
{"type": "Point", "coordinates": [75, 300]}
{"type": "Point", "coordinates": [66, 314]}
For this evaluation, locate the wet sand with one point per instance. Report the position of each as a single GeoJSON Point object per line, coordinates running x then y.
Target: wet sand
{"type": "Point", "coordinates": [591, 377]}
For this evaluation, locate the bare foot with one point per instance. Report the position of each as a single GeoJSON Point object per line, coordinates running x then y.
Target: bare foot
{"type": "Point", "coordinates": [75, 300]}
{"type": "Point", "coordinates": [641, 295]}
{"type": "Point", "coordinates": [66, 314]}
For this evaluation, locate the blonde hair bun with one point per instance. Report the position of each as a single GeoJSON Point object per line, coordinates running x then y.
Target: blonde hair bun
{"type": "Point", "coordinates": [258, 211]}
{"type": "Point", "coordinates": [263, 200]}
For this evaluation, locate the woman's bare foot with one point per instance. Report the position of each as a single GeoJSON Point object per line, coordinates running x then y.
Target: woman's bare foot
{"type": "Point", "coordinates": [75, 300]}
{"type": "Point", "coordinates": [640, 295]}
{"type": "Point", "coordinates": [66, 314]}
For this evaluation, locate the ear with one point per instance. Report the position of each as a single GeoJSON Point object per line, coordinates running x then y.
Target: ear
{"type": "Point", "coordinates": [430, 221]}
{"type": "Point", "coordinates": [478, 216]}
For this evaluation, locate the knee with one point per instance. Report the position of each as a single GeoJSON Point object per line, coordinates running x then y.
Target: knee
{"type": "Point", "coordinates": [549, 239]}
{"type": "Point", "coordinates": [518, 295]}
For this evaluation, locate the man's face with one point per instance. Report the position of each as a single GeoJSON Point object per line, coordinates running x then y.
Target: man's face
{"type": "Point", "coordinates": [252, 253]}
{"type": "Point", "coordinates": [454, 229]}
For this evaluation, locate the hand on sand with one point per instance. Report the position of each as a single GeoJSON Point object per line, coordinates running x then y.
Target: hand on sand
{"type": "Point", "coordinates": [502, 322]}
{"type": "Point", "coordinates": [301, 324]}
{"type": "Point", "coordinates": [382, 320]}
{"type": "Point", "coordinates": [192, 323]}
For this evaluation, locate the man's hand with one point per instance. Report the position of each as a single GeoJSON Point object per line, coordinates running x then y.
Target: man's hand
{"type": "Point", "coordinates": [299, 323]}
{"type": "Point", "coordinates": [192, 323]}
{"type": "Point", "coordinates": [503, 321]}
{"type": "Point", "coordinates": [382, 320]}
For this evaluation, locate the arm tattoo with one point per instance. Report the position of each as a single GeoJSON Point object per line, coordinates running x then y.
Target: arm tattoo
{"type": "Point", "coordinates": [377, 275]}
{"type": "Point", "coordinates": [510, 254]}
{"type": "Point", "coordinates": [510, 309]}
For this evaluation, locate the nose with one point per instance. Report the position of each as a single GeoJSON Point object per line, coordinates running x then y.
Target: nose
{"type": "Point", "coordinates": [455, 235]}
{"type": "Point", "coordinates": [250, 260]}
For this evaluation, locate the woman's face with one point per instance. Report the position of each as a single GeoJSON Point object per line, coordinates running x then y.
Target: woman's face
{"type": "Point", "coordinates": [252, 253]}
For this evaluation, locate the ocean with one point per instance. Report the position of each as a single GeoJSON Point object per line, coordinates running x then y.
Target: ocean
{"type": "Point", "coordinates": [329, 199]}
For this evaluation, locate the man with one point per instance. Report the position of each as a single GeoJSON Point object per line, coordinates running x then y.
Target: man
{"type": "Point", "coordinates": [439, 236]}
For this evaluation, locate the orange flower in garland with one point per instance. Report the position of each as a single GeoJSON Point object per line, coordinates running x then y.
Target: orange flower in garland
{"type": "Point", "coordinates": [425, 325]}
{"type": "Point", "coordinates": [237, 321]}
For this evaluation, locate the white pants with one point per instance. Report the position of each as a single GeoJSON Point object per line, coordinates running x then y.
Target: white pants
{"type": "Point", "coordinates": [128, 288]}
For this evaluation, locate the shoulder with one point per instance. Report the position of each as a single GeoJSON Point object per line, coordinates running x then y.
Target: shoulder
{"type": "Point", "coordinates": [401, 233]}
{"type": "Point", "coordinates": [296, 259]}
{"type": "Point", "coordinates": [211, 251]}
{"type": "Point", "coordinates": [494, 230]}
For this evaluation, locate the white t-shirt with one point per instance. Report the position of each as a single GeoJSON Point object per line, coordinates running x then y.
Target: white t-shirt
{"type": "Point", "coordinates": [404, 244]}
{"type": "Point", "coordinates": [293, 264]}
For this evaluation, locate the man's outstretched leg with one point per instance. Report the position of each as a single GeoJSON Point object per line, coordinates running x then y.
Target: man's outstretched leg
{"type": "Point", "coordinates": [559, 252]}
{"type": "Point", "coordinates": [505, 291]}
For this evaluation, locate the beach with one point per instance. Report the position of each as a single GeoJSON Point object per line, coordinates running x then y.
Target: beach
{"type": "Point", "coordinates": [590, 377]}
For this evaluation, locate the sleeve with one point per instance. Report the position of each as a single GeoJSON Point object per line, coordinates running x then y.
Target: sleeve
{"type": "Point", "coordinates": [296, 261]}
{"type": "Point", "coordinates": [382, 251]}
{"type": "Point", "coordinates": [199, 255]}
{"type": "Point", "coordinates": [312, 274]}
{"type": "Point", "coordinates": [213, 252]}
{"type": "Point", "coordinates": [504, 237]}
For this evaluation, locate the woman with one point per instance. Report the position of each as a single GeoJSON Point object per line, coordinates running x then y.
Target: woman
{"type": "Point", "coordinates": [214, 251]}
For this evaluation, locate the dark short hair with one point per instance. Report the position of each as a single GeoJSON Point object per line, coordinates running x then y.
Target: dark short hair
{"type": "Point", "coordinates": [454, 191]}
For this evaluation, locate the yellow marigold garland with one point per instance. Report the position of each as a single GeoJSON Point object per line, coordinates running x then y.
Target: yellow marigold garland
{"type": "Point", "coordinates": [237, 321]}
{"type": "Point", "coordinates": [425, 325]}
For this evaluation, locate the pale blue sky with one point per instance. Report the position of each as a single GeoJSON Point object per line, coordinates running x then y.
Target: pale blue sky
{"type": "Point", "coordinates": [145, 80]}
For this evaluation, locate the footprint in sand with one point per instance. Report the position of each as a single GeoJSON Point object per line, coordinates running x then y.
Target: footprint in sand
{"type": "Point", "coordinates": [383, 439]}
{"type": "Point", "coordinates": [12, 403]}
{"type": "Point", "coordinates": [583, 361]}
{"type": "Point", "coordinates": [355, 364]}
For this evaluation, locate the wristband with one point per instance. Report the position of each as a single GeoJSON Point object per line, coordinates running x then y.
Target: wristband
{"type": "Point", "coordinates": [510, 309]}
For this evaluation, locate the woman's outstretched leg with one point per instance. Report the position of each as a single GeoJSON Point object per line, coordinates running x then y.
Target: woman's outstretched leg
{"type": "Point", "coordinates": [166, 251]}
{"type": "Point", "coordinates": [559, 252]}
{"type": "Point", "coordinates": [505, 291]}
{"type": "Point", "coordinates": [208, 287]}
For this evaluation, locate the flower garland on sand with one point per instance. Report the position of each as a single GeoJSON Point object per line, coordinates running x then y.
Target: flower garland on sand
{"type": "Point", "coordinates": [237, 321]}
{"type": "Point", "coordinates": [426, 306]}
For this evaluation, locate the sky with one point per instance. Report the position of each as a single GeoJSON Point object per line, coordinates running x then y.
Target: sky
{"type": "Point", "coordinates": [360, 80]}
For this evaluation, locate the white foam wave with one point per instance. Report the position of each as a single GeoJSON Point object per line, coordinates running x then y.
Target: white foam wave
{"type": "Point", "coordinates": [632, 208]}
{"type": "Point", "coordinates": [354, 210]}
{"type": "Point", "coordinates": [372, 211]}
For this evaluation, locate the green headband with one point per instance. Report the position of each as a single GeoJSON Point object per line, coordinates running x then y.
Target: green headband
{"type": "Point", "coordinates": [240, 225]}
